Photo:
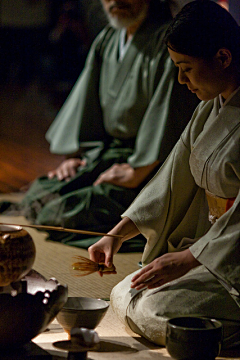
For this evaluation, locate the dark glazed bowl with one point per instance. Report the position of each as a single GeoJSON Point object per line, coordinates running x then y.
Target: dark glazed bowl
{"type": "Point", "coordinates": [82, 312]}
{"type": "Point", "coordinates": [197, 338]}
{"type": "Point", "coordinates": [30, 307]}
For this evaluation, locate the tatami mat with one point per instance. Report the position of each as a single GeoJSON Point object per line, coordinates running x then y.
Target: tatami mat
{"type": "Point", "coordinates": [55, 259]}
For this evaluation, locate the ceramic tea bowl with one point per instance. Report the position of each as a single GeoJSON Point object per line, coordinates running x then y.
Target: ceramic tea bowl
{"type": "Point", "coordinates": [197, 338]}
{"type": "Point", "coordinates": [82, 312]}
{"type": "Point", "coordinates": [27, 307]}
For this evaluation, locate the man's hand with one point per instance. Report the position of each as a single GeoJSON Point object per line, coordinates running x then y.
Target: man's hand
{"type": "Point", "coordinates": [124, 175]}
{"type": "Point", "coordinates": [163, 269]}
{"type": "Point", "coordinates": [118, 174]}
{"type": "Point", "coordinates": [67, 169]}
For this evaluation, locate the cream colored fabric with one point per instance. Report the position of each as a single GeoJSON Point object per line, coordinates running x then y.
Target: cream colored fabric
{"type": "Point", "coordinates": [173, 205]}
{"type": "Point", "coordinates": [197, 293]}
{"type": "Point", "coordinates": [172, 213]}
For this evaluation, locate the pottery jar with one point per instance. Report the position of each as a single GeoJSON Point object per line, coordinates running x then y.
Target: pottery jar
{"type": "Point", "coordinates": [17, 253]}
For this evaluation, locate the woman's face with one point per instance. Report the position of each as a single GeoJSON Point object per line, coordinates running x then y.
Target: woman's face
{"type": "Point", "coordinates": [203, 77]}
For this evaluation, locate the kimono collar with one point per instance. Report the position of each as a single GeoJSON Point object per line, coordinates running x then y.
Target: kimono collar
{"type": "Point", "coordinates": [218, 127]}
{"type": "Point", "coordinates": [135, 48]}
{"type": "Point", "coordinates": [123, 45]}
{"type": "Point", "coordinates": [224, 103]}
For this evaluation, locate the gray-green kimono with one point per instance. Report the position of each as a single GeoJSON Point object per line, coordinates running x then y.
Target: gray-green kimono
{"type": "Point", "coordinates": [172, 213]}
{"type": "Point", "coordinates": [129, 111]}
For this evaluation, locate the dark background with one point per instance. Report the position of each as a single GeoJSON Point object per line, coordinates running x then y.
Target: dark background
{"type": "Point", "coordinates": [43, 47]}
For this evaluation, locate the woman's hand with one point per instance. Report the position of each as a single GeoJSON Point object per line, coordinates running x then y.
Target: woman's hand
{"type": "Point", "coordinates": [163, 269]}
{"type": "Point", "coordinates": [125, 175]}
{"type": "Point", "coordinates": [104, 250]}
{"type": "Point", "coordinates": [67, 169]}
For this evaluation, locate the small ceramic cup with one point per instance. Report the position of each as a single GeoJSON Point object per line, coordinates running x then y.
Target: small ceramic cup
{"type": "Point", "coordinates": [197, 338]}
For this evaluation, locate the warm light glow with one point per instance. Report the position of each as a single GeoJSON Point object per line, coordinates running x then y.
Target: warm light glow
{"type": "Point", "coordinates": [224, 4]}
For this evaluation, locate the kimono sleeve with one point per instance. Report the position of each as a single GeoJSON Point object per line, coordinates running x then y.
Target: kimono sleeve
{"type": "Point", "coordinates": [171, 206]}
{"type": "Point", "coordinates": [219, 249]}
{"type": "Point", "coordinates": [80, 118]}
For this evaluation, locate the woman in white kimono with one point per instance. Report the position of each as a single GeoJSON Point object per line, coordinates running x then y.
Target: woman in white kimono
{"type": "Point", "coordinates": [190, 211]}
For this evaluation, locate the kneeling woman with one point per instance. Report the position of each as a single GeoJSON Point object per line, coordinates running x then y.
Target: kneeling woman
{"type": "Point", "coordinates": [190, 211]}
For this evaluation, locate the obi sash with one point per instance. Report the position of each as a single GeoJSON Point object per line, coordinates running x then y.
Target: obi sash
{"type": "Point", "coordinates": [217, 206]}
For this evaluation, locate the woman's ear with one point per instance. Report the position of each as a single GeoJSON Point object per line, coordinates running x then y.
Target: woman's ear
{"type": "Point", "coordinates": [224, 57]}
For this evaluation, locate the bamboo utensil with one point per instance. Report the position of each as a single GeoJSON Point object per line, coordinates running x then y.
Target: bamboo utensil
{"type": "Point", "coordinates": [59, 228]}
{"type": "Point", "coordinates": [85, 266]}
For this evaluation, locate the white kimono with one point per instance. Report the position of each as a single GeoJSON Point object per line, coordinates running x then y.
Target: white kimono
{"type": "Point", "coordinates": [172, 213]}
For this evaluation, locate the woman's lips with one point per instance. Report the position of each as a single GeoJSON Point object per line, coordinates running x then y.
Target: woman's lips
{"type": "Point", "coordinates": [193, 90]}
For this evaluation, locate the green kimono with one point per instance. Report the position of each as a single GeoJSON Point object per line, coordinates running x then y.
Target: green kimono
{"type": "Point", "coordinates": [131, 110]}
{"type": "Point", "coordinates": [172, 213]}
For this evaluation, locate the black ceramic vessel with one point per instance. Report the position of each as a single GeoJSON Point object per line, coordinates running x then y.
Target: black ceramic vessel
{"type": "Point", "coordinates": [189, 338]}
{"type": "Point", "coordinates": [29, 308]}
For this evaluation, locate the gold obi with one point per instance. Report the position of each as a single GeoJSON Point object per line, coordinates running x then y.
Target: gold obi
{"type": "Point", "coordinates": [217, 206]}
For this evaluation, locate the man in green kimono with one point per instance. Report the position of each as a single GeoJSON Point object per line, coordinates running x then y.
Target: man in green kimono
{"type": "Point", "coordinates": [120, 121]}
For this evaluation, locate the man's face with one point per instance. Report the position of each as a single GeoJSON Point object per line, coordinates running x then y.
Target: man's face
{"type": "Point", "coordinates": [123, 13]}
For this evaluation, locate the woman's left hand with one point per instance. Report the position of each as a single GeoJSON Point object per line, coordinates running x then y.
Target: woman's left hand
{"type": "Point", "coordinates": [163, 269]}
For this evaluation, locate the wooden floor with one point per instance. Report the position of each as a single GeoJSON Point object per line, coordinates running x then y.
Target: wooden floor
{"type": "Point", "coordinates": [25, 115]}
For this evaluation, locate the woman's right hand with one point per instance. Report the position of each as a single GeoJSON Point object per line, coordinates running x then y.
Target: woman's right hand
{"type": "Point", "coordinates": [104, 250]}
{"type": "Point", "coordinates": [67, 169]}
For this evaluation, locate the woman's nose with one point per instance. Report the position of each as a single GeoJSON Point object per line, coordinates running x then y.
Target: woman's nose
{"type": "Point", "coordinates": [182, 78]}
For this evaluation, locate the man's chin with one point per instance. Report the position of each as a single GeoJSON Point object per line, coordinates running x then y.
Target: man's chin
{"type": "Point", "coordinates": [120, 23]}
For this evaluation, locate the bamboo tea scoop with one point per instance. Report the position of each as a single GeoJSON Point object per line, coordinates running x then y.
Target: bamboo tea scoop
{"type": "Point", "coordinates": [58, 228]}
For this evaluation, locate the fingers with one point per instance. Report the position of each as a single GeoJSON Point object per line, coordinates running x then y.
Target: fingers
{"type": "Point", "coordinates": [164, 269]}
{"type": "Point", "coordinates": [101, 256]}
{"type": "Point", "coordinates": [51, 174]}
{"type": "Point", "coordinates": [102, 252]}
{"type": "Point", "coordinates": [111, 175]}
{"type": "Point", "coordinates": [96, 254]}
{"type": "Point", "coordinates": [104, 177]}
{"type": "Point", "coordinates": [142, 275]}
{"type": "Point", "coordinates": [63, 173]}
{"type": "Point", "coordinates": [97, 182]}
{"type": "Point", "coordinates": [101, 273]}
{"type": "Point", "coordinates": [142, 279]}
{"type": "Point", "coordinates": [151, 283]}
{"type": "Point", "coordinates": [109, 260]}
{"type": "Point", "coordinates": [67, 169]}
{"type": "Point", "coordinates": [150, 276]}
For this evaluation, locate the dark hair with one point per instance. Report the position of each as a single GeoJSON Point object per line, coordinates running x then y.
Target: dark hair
{"type": "Point", "coordinates": [201, 28]}
{"type": "Point", "coordinates": [159, 11]}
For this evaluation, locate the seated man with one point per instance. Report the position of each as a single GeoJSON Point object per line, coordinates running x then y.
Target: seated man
{"type": "Point", "coordinates": [122, 118]}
